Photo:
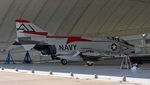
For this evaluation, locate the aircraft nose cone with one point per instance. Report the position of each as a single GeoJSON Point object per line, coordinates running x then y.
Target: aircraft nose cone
{"type": "Point", "coordinates": [137, 50]}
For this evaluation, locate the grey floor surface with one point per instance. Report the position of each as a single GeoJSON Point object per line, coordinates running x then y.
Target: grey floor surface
{"type": "Point", "coordinates": [107, 70]}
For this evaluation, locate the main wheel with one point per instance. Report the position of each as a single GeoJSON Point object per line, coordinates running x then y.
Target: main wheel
{"type": "Point", "coordinates": [90, 63]}
{"type": "Point", "coordinates": [64, 61]}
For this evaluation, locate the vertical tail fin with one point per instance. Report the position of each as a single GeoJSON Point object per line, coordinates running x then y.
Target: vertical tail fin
{"type": "Point", "coordinates": [24, 27]}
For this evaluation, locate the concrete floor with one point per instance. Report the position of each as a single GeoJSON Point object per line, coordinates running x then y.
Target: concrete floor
{"type": "Point", "coordinates": [107, 70]}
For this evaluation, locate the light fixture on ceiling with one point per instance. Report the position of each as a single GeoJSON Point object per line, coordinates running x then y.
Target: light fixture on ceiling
{"type": "Point", "coordinates": [144, 35]}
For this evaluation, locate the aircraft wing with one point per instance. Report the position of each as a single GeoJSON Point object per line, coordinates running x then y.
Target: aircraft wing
{"type": "Point", "coordinates": [12, 47]}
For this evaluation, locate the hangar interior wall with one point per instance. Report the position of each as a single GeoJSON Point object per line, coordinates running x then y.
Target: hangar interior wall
{"type": "Point", "coordinates": [145, 48]}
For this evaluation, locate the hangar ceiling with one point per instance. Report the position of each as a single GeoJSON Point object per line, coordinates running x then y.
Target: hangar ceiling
{"type": "Point", "coordinates": [94, 18]}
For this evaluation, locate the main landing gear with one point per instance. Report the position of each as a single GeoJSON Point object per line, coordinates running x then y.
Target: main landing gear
{"type": "Point", "coordinates": [64, 61]}
{"type": "Point", "coordinates": [89, 63]}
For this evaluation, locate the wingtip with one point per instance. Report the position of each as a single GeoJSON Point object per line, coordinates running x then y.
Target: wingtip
{"type": "Point", "coordinates": [22, 21]}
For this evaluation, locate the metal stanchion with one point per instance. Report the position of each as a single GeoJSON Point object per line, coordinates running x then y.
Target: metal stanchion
{"type": "Point", "coordinates": [2, 68]}
{"type": "Point", "coordinates": [96, 76]}
{"type": "Point", "coordinates": [50, 72]}
{"type": "Point", "coordinates": [124, 79]}
{"type": "Point", "coordinates": [17, 69]}
{"type": "Point", "coordinates": [71, 74]}
{"type": "Point", "coordinates": [33, 71]}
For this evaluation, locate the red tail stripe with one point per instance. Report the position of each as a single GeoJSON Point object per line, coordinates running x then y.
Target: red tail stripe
{"type": "Point", "coordinates": [37, 33]}
{"type": "Point", "coordinates": [22, 21]}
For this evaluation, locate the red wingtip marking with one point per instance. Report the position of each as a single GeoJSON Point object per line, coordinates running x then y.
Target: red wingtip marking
{"type": "Point", "coordinates": [57, 37]}
{"type": "Point", "coordinates": [22, 21]}
{"type": "Point", "coordinates": [70, 39]}
{"type": "Point", "coordinates": [74, 39]}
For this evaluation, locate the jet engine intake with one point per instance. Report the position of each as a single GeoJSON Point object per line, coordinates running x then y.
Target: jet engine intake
{"type": "Point", "coordinates": [46, 49]}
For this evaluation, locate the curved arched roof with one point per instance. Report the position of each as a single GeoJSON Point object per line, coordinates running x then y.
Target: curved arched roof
{"type": "Point", "coordinates": [94, 18]}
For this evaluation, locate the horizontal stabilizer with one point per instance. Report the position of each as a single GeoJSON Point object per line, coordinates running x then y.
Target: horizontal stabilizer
{"type": "Point", "coordinates": [13, 47]}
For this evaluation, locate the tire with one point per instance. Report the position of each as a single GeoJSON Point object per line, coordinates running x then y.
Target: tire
{"type": "Point", "coordinates": [89, 63]}
{"type": "Point", "coordinates": [64, 61]}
